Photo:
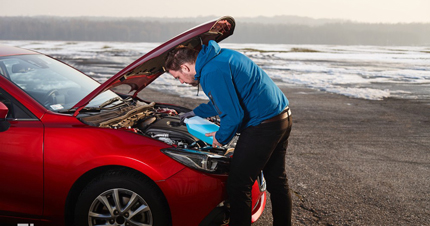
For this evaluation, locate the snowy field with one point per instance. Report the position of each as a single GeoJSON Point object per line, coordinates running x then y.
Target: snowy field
{"type": "Point", "coordinates": [367, 72]}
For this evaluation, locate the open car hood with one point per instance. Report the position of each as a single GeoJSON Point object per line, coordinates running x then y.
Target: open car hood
{"type": "Point", "coordinates": [147, 68]}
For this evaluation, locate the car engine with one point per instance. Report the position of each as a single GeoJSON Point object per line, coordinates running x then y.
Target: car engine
{"type": "Point", "coordinates": [155, 121]}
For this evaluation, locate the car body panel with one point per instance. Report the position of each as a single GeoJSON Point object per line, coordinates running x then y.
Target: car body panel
{"type": "Point", "coordinates": [197, 193]}
{"type": "Point", "coordinates": [9, 50]}
{"type": "Point", "coordinates": [260, 205]}
{"type": "Point", "coordinates": [21, 167]}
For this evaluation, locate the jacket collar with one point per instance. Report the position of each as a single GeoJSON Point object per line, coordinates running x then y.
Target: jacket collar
{"type": "Point", "coordinates": [206, 54]}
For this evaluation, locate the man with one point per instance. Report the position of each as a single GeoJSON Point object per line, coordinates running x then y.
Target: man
{"type": "Point", "coordinates": [247, 102]}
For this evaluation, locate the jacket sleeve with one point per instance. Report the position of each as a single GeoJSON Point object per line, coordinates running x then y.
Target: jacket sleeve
{"type": "Point", "coordinates": [221, 91]}
{"type": "Point", "coordinates": [205, 110]}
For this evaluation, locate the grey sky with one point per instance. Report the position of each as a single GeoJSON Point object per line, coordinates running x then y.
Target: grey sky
{"type": "Point", "coordinates": [373, 11]}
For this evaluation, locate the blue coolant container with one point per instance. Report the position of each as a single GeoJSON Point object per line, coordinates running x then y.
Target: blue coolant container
{"type": "Point", "coordinates": [198, 127]}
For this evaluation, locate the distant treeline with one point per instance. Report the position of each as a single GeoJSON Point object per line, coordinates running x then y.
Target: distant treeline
{"type": "Point", "coordinates": [131, 30]}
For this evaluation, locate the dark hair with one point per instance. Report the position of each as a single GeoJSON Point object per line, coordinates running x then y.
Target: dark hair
{"type": "Point", "coordinates": [178, 56]}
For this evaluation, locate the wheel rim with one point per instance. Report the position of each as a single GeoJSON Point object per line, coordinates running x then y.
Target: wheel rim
{"type": "Point", "coordinates": [119, 207]}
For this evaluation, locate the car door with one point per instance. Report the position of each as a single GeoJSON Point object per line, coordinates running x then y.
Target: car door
{"type": "Point", "coordinates": [21, 161]}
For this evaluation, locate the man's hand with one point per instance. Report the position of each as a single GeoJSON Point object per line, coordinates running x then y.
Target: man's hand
{"type": "Point", "coordinates": [186, 115]}
{"type": "Point", "coordinates": [215, 143]}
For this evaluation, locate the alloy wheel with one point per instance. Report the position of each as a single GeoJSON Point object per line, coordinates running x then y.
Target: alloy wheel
{"type": "Point", "coordinates": [119, 206]}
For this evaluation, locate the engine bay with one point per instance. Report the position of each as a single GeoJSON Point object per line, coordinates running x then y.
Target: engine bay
{"type": "Point", "coordinates": [158, 121]}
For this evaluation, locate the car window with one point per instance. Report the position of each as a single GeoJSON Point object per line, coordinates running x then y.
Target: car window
{"type": "Point", "coordinates": [16, 110]}
{"type": "Point", "coordinates": [53, 84]}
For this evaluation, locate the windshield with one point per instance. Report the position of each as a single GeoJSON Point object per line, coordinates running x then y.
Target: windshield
{"type": "Point", "coordinates": [51, 83]}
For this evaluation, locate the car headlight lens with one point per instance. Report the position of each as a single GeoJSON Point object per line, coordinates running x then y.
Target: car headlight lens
{"type": "Point", "coordinates": [200, 160]}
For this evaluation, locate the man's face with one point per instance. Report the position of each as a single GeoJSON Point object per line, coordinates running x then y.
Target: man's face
{"type": "Point", "coordinates": [186, 74]}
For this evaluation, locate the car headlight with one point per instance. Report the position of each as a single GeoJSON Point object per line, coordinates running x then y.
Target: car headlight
{"type": "Point", "coordinates": [200, 160]}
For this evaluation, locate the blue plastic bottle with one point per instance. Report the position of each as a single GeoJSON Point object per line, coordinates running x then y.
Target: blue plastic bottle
{"type": "Point", "coordinates": [198, 127]}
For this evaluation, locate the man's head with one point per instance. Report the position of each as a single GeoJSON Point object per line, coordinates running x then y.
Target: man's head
{"type": "Point", "coordinates": [181, 62]}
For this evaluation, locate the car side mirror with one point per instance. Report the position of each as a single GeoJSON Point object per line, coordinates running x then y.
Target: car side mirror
{"type": "Point", "coordinates": [3, 111]}
{"type": "Point", "coordinates": [4, 124]}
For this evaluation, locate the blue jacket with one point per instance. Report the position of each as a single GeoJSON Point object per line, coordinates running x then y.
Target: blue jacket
{"type": "Point", "coordinates": [240, 92]}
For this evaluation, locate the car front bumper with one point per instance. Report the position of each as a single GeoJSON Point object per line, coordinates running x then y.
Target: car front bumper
{"type": "Point", "coordinates": [196, 198]}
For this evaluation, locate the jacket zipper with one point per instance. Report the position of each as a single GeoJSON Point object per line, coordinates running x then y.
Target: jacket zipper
{"type": "Point", "coordinates": [213, 102]}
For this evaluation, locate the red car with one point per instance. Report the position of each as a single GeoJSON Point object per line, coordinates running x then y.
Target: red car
{"type": "Point", "coordinates": [73, 152]}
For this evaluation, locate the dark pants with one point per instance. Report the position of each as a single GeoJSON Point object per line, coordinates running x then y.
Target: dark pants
{"type": "Point", "coordinates": [261, 147]}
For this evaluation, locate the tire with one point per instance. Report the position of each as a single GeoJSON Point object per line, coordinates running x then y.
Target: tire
{"type": "Point", "coordinates": [121, 198]}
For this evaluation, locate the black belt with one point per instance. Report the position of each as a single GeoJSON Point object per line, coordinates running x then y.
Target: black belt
{"type": "Point", "coordinates": [283, 115]}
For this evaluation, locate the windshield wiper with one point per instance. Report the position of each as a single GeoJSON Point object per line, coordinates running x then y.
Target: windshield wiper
{"type": "Point", "coordinates": [99, 108]}
{"type": "Point", "coordinates": [109, 102]}
{"type": "Point", "coordinates": [83, 109]}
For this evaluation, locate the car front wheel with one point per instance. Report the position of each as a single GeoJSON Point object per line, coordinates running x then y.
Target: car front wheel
{"type": "Point", "coordinates": [118, 198]}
